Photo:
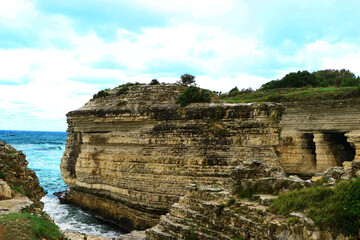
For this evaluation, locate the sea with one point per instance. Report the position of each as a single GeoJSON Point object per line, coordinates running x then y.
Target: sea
{"type": "Point", "coordinates": [43, 151]}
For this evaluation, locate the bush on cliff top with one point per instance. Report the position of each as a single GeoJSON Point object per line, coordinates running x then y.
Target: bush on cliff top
{"type": "Point", "coordinates": [102, 93]}
{"type": "Point", "coordinates": [193, 95]}
{"type": "Point", "coordinates": [337, 208]}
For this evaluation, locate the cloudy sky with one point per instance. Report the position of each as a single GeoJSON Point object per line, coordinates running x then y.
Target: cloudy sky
{"type": "Point", "coordinates": [55, 54]}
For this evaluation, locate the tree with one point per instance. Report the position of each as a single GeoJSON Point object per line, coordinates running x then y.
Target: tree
{"type": "Point", "coordinates": [154, 82]}
{"type": "Point", "coordinates": [233, 92]}
{"type": "Point", "coordinates": [187, 80]}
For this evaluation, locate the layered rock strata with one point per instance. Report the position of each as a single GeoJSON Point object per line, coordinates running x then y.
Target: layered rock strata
{"type": "Point", "coordinates": [216, 213]}
{"type": "Point", "coordinates": [15, 173]}
{"type": "Point", "coordinates": [129, 156]}
{"type": "Point", "coordinates": [316, 136]}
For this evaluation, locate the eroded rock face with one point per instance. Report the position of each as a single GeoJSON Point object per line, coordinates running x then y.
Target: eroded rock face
{"type": "Point", "coordinates": [14, 171]}
{"type": "Point", "coordinates": [258, 177]}
{"type": "Point", "coordinates": [129, 157]}
{"type": "Point", "coordinates": [217, 213]}
{"type": "Point", "coordinates": [316, 136]}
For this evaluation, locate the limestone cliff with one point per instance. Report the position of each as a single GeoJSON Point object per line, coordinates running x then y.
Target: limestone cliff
{"type": "Point", "coordinates": [130, 156]}
{"type": "Point", "coordinates": [16, 174]}
{"type": "Point", "coordinates": [316, 136]}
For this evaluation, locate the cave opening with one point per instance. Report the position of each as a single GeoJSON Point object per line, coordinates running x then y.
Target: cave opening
{"type": "Point", "coordinates": [310, 147]}
{"type": "Point", "coordinates": [340, 147]}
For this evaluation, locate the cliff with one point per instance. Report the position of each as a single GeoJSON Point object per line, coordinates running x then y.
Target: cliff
{"type": "Point", "coordinates": [15, 174]}
{"type": "Point", "coordinates": [130, 156]}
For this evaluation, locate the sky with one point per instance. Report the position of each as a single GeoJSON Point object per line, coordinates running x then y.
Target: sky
{"type": "Point", "coordinates": [55, 54]}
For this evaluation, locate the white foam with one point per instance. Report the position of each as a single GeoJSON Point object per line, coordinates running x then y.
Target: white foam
{"type": "Point", "coordinates": [70, 218]}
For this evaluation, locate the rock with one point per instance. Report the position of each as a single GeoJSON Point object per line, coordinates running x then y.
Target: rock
{"type": "Point", "coordinates": [355, 164]}
{"type": "Point", "coordinates": [2, 143]}
{"type": "Point", "coordinates": [336, 172]}
{"type": "Point", "coordinates": [81, 236]}
{"type": "Point", "coordinates": [258, 177]}
{"type": "Point", "coordinates": [5, 190]}
{"type": "Point", "coordinates": [134, 235]}
{"type": "Point", "coordinates": [15, 204]}
{"type": "Point", "coordinates": [256, 169]}
{"type": "Point", "coordinates": [316, 178]}
{"type": "Point", "coordinates": [13, 166]}
{"type": "Point", "coordinates": [62, 196]}
{"type": "Point", "coordinates": [347, 165]}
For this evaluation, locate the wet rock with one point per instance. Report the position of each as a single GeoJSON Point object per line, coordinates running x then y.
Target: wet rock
{"type": "Point", "coordinates": [62, 196]}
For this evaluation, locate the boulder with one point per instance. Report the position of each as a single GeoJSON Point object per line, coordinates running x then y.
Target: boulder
{"type": "Point", "coordinates": [5, 190]}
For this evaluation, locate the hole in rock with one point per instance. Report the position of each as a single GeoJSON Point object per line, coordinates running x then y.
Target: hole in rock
{"type": "Point", "coordinates": [340, 147]}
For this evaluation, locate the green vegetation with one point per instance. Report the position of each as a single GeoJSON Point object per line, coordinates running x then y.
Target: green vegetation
{"type": "Point", "coordinates": [24, 226]}
{"type": "Point", "coordinates": [323, 78]}
{"type": "Point", "coordinates": [295, 94]}
{"type": "Point", "coordinates": [10, 152]}
{"type": "Point", "coordinates": [123, 89]}
{"type": "Point", "coordinates": [187, 80]}
{"type": "Point", "coordinates": [154, 82]}
{"type": "Point", "coordinates": [16, 188]}
{"type": "Point", "coordinates": [338, 207]}
{"type": "Point", "coordinates": [102, 93]}
{"type": "Point", "coordinates": [302, 86]}
{"type": "Point", "coordinates": [193, 95]}
{"type": "Point", "coordinates": [292, 220]}
{"type": "Point", "coordinates": [221, 207]}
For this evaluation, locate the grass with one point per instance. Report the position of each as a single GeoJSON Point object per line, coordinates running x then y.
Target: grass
{"type": "Point", "coordinates": [295, 94]}
{"type": "Point", "coordinates": [338, 207]}
{"type": "Point", "coordinates": [16, 188]}
{"type": "Point", "coordinates": [24, 226]}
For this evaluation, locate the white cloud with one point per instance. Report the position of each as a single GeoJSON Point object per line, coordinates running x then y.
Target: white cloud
{"type": "Point", "coordinates": [240, 80]}
{"type": "Point", "coordinates": [10, 9]}
{"type": "Point", "coordinates": [197, 9]}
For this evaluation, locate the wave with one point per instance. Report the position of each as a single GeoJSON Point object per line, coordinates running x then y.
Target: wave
{"type": "Point", "coordinates": [73, 219]}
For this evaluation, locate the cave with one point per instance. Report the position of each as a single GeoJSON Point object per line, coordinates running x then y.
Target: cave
{"type": "Point", "coordinates": [340, 147]}
{"type": "Point", "coordinates": [309, 145]}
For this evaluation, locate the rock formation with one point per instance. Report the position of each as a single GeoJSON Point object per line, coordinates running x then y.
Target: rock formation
{"type": "Point", "coordinates": [130, 156]}
{"type": "Point", "coordinates": [217, 213]}
{"type": "Point", "coordinates": [14, 173]}
{"type": "Point", "coordinates": [316, 136]}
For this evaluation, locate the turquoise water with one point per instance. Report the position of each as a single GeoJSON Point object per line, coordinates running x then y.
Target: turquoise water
{"type": "Point", "coordinates": [43, 151]}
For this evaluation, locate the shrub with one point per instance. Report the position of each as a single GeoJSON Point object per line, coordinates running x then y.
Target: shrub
{"type": "Point", "coordinates": [102, 93]}
{"type": "Point", "coordinates": [337, 207]}
{"type": "Point", "coordinates": [233, 92]}
{"type": "Point", "coordinates": [122, 90]}
{"type": "Point", "coordinates": [193, 95]}
{"type": "Point", "coordinates": [154, 82]}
